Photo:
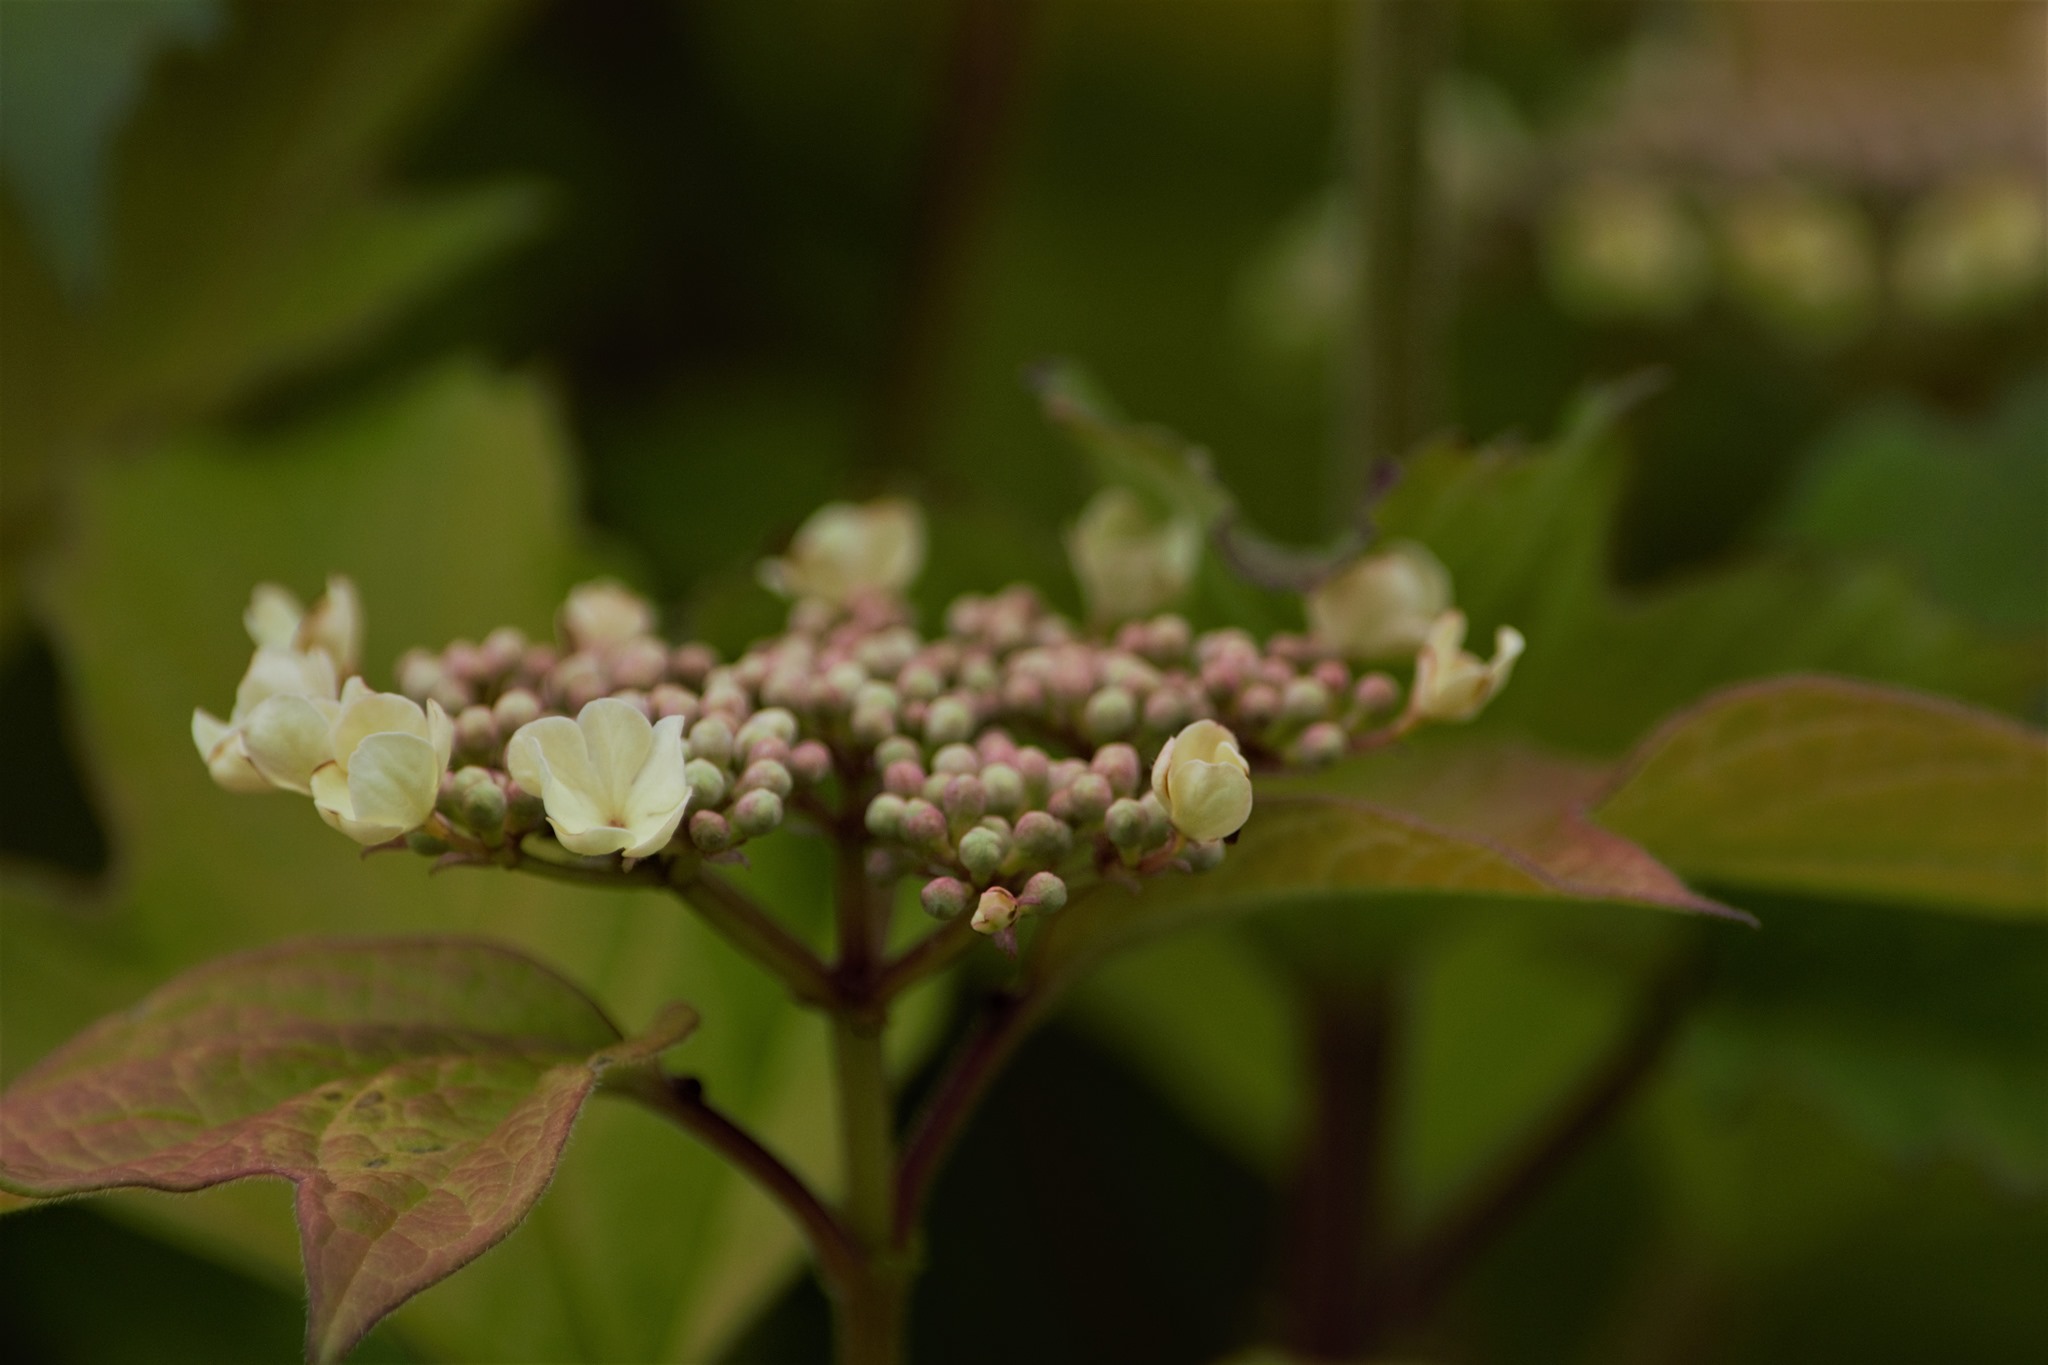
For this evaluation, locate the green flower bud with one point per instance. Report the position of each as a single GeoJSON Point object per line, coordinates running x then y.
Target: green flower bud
{"type": "Point", "coordinates": [1322, 743]}
{"type": "Point", "coordinates": [1303, 701]}
{"type": "Point", "coordinates": [767, 775]}
{"type": "Point", "coordinates": [711, 739]}
{"type": "Point", "coordinates": [898, 749]}
{"type": "Point", "coordinates": [1201, 857]}
{"type": "Point", "coordinates": [1125, 824]}
{"type": "Point", "coordinates": [923, 826]}
{"type": "Point", "coordinates": [707, 782]}
{"type": "Point", "coordinates": [1045, 893]}
{"type": "Point", "coordinates": [945, 897]}
{"type": "Point", "coordinates": [885, 816]}
{"type": "Point", "coordinates": [480, 804]}
{"type": "Point", "coordinates": [1088, 799]}
{"type": "Point", "coordinates": [515, 708]}
{"type": "Point", "coordinates": [773, 723]}
{"type": "Point", "coordinates": [956, 760]}
{"type": "Point", "coordinates": [1005, 788]}
{"type": "Point", "coordinates": [756, 813]}
{"type": "Point", "coordinates": [981, 852]}
{"type": "Point", "coordinates": [871, 725]}
{"type": "Point", "coordinates": [1109, 713]}
{"type": "Point", "coordinates": [425, 844]}
{"type": "Point", "coordinates": [710, 832]}
{"type": "Point", "coordinates": [1042, 841]}
{"type": "Point", "coordinates": [949, 721]}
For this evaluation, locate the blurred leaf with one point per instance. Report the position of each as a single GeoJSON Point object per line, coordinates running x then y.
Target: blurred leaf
{"type": "Point", "coordinates": [69, 75]}
{"type": "Point", "coordinates": [448, 503]}
{"type": "Point", "coordinates": [1958, 505]}
{"type": "Point", "coordinates": [1828, 786]}
{"type": "Point", "coordinates": [418, 1092]}
{"type": "Point", "coordinates": [1171, 473]}
{"type": "Point", "coordinates": [1526, 537]}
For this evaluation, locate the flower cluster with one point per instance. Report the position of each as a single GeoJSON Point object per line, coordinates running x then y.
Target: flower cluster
{"type": "Point", "coordinates": [995, 762]}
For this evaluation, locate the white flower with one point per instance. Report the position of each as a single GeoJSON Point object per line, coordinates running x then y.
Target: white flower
{"type": "Point", "coordinates": [1452, 685]}
{"type": "Point", "coordinates": [273, 672]}
{"type": "Point", "coordinates": [610, 781]}
{"type": "Point", "coordinates": [371, 761]}
{"type": "Point", "coordinates": [1381, 606]}
{"type": "Point", "coordinates": [1203, 781]}
{"type": "Point", "coordinates": [334, 626]}
{"type": "Point", "coordinates": [996, 911]}
{"type": "Point", "coordinates": [845, 550]}
{"type": "Point", "coordinates": [604, 613]}
{"type": "Point", "coordinates": [1131, 561]}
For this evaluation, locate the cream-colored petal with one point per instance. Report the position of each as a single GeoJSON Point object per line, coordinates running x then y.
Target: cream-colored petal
{"type": "Point", "coordinates": [273, 616]}
{"type": "Point", "coordinates": [376, 713]}
{"type": "Point", "coordinates": [659, 789]}
{"type": "Point", "coordinates": [287, 739]}
{"type": "Point", "coordinates": [619, 739]}
{"type": "Point", "coordinates": [335, 625]}
{"type": "Point", "coordinates": [330, 793]}
{"type": "Point", "coordinates": [227, 761]}
{"type": "Point", "coordinates": [652, 837]}
{"type": "Point", "coordinates": [603, 613]}
{"type": "Point", "coordinates": [1211, 800]}
{"type": "Point", "coordinates": [594, 841]}
{"type": "Point", "coordinates": [283, 672]}
{"type": "Point", "coordinates": [440, 732]}
{"type": "Point", "coordinates": [208, 730]}
{"type": "Point", "coordinates": [548, 759]}
{"type": "Point", "coordinates": [1162, 771]}
{"type": "Point", "coordinates": [392, 782]}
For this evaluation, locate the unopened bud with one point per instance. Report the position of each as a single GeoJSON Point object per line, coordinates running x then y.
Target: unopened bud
{"type": "Point", "coordinates": [502, 651]}
{"type": "Point", "coordinates": [956, 760]}
{"type": "Point", "coordinates": [425, 844]}
{"type": "Point", "coordinates": [945, 897]}
{"type": "Point", "coordinates": [1375, 694]}
{"type": "Point", "coordinates": [995, 912]}
{"type": "Point", "coordinates": [923, 826]}
{"type": "Point", "coordinates": [1118, 765]}
{"type": "Point", "coordinates": [981, 852]}
{"type": "Point", "coordinates": [905, 778]}
{"type": "Point", "coordinates": [638, 663]}
{"type": "Point", "coordinates": [949, 721]}
{"type": "Point", "coordinates": [476, 731]}
{"type": "Point", "coordinates": [920, 682]}
{"type": "Point", "coordinates": [1158, 824]}
{"type": "Point", "coordinates": [515, 708]}
{"type": "Point", "coordinates": [810, 762]}
{"type": "Point", "coordinates": [872, 724]}
{"type": "Point", "coordinates": [1089, 798]}
{"type": "Point", "coordinates": [692, 663]}
{"type": "Point", "coordinates": [1304, 700]}
{"type": "Point", "coordinates": [898, 749]}
{"type": "Point", "coordinates": [1110, 712]}
{"type": "Point", "coordinates": [1201, 857]}
{"type": "Point", "coordinates": [1024, 693]}
{"type": "Point", "coordinates": [710, 831]}
{"type": "Point", "coordinates": [769, 750]}
{"type": "Point", "coordinates": [479, 803]}
{"type": "Point", "coordinates": [419, 672]}
{"type": "Point", "coordinates": [1125, 824]}
{"type": "Point", "coordinates": [1320, 744]}
{"type": "Point", "coordinates": [1035, 768]}
{"type": "Point", "coordinates": [1005, 788]}
{"type": "Point", "coordinates": [964, 802]}
{"type": "Point", "coordinates": [524, 810]}
{"type": "Point", "coordinates": [1042, 841]}
{"type": "Point", "coordinates": [1045, 893]}
{"type": "Point", "coordinates": [768, 776]}
{"type": "Point", "coordinates": [707, 783]}
{"type": "Point", "coordinates": [1167, 709]}
{"type": "Point", "coordinates": [724, 695]}
{"type": "Point", "coordinates": [1167, 640]}
{"type": "Point", "coordinates": [885, 816]}
{"type": "Point", "coordinates": [711, 740]}
{"type": "Point", "coordinates": [756, 813]}
{"type": "Point", "coordinates": [772, 723]}
{"type": "Point", "coordinates": [1258, 705]}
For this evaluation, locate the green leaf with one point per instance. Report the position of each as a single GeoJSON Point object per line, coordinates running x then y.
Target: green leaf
{"type": "Point", "coordinates": [1526, 536]}
{"type": "Point", "coordinates": [1494, 822]}
{"type": "Point", "coordinates": [417, 1092]}
{"type": "Point", "coordinates": [1828, 786]}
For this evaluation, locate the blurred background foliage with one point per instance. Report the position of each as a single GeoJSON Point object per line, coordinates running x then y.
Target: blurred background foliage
{"type": "Point", "coordinates": [469, 299]}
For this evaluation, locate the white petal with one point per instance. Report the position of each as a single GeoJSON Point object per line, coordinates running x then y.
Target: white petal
{"type": "Point", "coordinates": [1211, 800]}
{"type": "Point", "coordinates": [273, 616]}
{"type": "Point", "coordinates": [619, 739]}
{"type": "Point", "coordinates": [335, 625]}
{"type": "Point", "coordinates": [287, 738]}
{"type": "Point", "coordinates": [440, 732]}
{"type": "Point", "coordinates": [659, 790]}
{"type": "Point", "coordinates": [1162, 769]}
{"type": "Point", "coordinates": [654, 837]}
{"type": "Point", "coordinates": [330, 794]}
{"type": "Point", "coordinates": [548, 759]}
{"type": "Point", "coordinates": [594, 841]}
{"type": "Point", "coordinates": [392, 782]}
{"type": "Point", "coordinates": [374, 714]}
{"type": "Point", "coordinates": [282, 672]}
{"type": "Point", "coordinates": [208, 730]}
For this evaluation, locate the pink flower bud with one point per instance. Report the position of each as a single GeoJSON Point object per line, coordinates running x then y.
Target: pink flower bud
{"type": "Point", "coordinates": [515, 708]}
{"type": "Point", "coordinates": [710, 832]}
{"type": "Point", "coordinates": [1119, 766]}
{"type": "Point", "coordinates": [638, 663]}
{"type": "Point", "coordinates": [956, 760]}
{"type": "Point", "coordinates": [945, 897]}
{"type": "Point", "coordinates": [904, 778]}
{"type": "Point", "coordinates": [669, 699]}
{"type": "Point", "coordinates": [1375, 693]}
{"type": "Point", "coordinates": [1258, 705]}
{"type": "Point", "coordinates": [692, 663]}
{"type": "Point", "coordinates": [810, 762]}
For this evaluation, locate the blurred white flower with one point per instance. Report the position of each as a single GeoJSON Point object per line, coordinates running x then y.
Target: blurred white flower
{"type": "Point", "coordinates": [604, 613]}
{"type": "Point", "coordinates": [371, 761]}
{"type": "Point", "coordinates": [1131, 560]}
{"type": "Point", "coordinates": [610, 781]}
{"type": "Point", "coordinates": [1381, 606]}
{"type": "Point", "coordinates": [334, 626]}
{"type": "Point", "coordinates": [1202, 779]}
{"type": "Point", "coordinates": [847, 549]}
{"type": "Point", "coordinates": [1453, 685]}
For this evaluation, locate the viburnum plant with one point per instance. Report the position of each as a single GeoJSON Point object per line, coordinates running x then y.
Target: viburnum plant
{"type": "Point", "coordinates": [419, 1092]}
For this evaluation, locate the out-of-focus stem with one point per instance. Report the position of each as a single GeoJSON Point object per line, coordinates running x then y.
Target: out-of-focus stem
{"type": "Point", "coordinates": [1390, 366]}
{"type": "Point", "coordinates": [751, 929]}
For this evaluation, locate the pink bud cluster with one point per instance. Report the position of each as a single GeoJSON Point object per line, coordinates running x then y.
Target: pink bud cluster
{"type": "Point", "coordinates": [995, 762]}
